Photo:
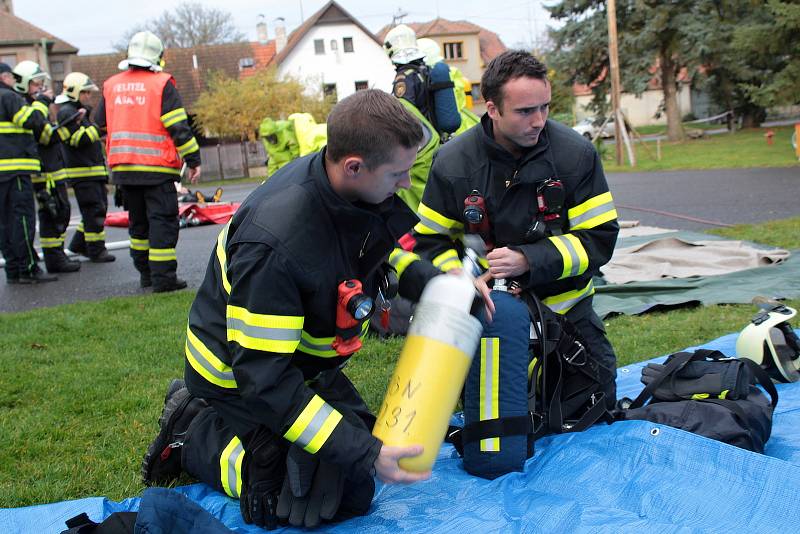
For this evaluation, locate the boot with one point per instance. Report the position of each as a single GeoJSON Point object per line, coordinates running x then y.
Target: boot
{"type": "Point", "coordinates": [36, 276]}
{"type": "Point", "coordinates": [145, 280]}
{"type": "Point", "coordinates": [162, 461]}
{"type": "Point", "coordinates": [102, 257]}
{"type": "Point", "coordinates": [217, 195]}
{"type": "Point", "coordinates": [57, 262]}
{"type": "Point", "coordinates": [172, 285]}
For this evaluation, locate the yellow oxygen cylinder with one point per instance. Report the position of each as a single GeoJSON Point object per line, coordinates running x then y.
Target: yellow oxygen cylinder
{"type": "Point", "coordinates": [431, 371]}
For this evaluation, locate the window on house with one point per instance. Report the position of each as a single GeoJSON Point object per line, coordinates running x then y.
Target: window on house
{"type": "Point", "coordinates": [329, 90]}
{"type": "Point", "coordinates": [246, 63]}
{"type": "Point", "coordinates": [362, 85]}
{"type": "Point", "coordinates": [10, 60]}
{"type": "Point", "coordinates": [454, 50]}
{"type": "Point", "coordinates": [348, 44]}
{"type": "Point", "coordinates": [334, 45]}
{"type": "Point", "coordinates": [319, 47]}
{"type": "Point", "coordinates": [57, 68]}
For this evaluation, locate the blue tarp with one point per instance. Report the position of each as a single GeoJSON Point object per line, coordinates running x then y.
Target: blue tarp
{"type": "Point", "coordinates": [628, 477]}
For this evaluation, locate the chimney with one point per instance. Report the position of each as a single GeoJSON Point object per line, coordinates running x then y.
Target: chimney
{"type": "Point", "coordinates": [7, 6]}
{"type": "Point", "coordinates": [280, 35]}
{"type": "Point", "coordinates": [261, 31]}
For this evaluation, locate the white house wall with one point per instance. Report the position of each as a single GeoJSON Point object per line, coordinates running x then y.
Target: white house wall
{"type": "Point", "coordinates": [641, 110]}
{"type": "Point", "coordinates": [367, 62]}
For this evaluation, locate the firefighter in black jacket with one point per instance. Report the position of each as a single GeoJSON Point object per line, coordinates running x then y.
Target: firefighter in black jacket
{"type": "Point", "coordinates": [21, 127]}
{"type": "Point", "coordinates": [149, 139]}
{"type": "Point", "coordinates": [86, 168]}
{"type": "Point", "coordinates": [50, 188]}
{"type": "Point", "coordinates": [535, 191]}
{"type": "Point", "coordinates": [278, 315]}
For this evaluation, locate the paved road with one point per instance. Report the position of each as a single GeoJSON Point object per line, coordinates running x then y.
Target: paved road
{"type": "Point", "coordinates": [726, 196]}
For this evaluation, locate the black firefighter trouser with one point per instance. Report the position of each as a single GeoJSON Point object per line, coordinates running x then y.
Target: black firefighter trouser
{"type": "Point", "coordinates": [153, 227]}
{"type": "Point", "coordinates": [53, 230]}
{"type": "Point", "coordinates": [217, 440]}
{"type": "Point", "coordinates": [17, 224]}
{"type": "Point", "coordinates": [90, 238]}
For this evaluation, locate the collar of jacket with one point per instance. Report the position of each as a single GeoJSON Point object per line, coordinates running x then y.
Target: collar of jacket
{"type": "Point", "coordinates": [392, 212]}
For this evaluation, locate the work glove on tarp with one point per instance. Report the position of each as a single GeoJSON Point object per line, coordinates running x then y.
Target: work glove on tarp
{"type": "Point", "coordinates": [728, 378]}
{"type": "Point", "coordinates": [312, 490]}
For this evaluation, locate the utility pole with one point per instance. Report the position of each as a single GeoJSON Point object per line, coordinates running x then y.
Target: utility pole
{"type": "Point", "coordinates": [613, 58]}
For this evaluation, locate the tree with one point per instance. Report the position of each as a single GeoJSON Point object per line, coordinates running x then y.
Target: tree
{"type": "Point", "coordinates": [232, 108]}
{"type": "Point", "coordinates": [189, 25]}
{"type": "Point", "coordinates": [652, 33]}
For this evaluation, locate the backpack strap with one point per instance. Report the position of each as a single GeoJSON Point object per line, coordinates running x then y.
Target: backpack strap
{"type": "Point", "coordinates": [676, 361]}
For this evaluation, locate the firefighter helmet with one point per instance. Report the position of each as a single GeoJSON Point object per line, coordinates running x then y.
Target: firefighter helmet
{"type": "Point", "coordinates": [74, 84]}
{"type": "Point", "coordinates": [26, 72]}
{"type": "Point", "coordinates": [401, 45]}
{"type": "Point", "coordinates": [430, 48]}
{"type": "Point", "coordinates": [770, 342]}
{"type": "Point", "coordinates": [144, 50]}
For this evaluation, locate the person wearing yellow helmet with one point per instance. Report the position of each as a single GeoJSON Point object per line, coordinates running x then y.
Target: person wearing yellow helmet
{"type": "Point", "coordinates": [23, 125]}
{"type": "Point", "coordinates": [149, 140]}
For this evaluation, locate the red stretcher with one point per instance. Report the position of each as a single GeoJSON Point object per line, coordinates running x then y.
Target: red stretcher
{"type": "Point", "coordinates": [190, 213]}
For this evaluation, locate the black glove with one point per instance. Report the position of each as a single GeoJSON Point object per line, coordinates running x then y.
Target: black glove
{"type": "Point", "coordinates": [312, 490]}
{"type": "Point", "coordinates": [698, 378]}
{"type": "Point", "coordinates": [119, 197]}
{"type": "Point", "coordinates": [264, 472]}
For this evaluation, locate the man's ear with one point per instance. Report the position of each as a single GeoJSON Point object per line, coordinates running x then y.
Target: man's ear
{"type": "Point", "coordinates": [352, 166]}
{"type": "Point", "coordinates": [492, 110]}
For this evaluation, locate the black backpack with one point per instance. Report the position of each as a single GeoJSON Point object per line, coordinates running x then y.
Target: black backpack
{"type": "Point", "coordinates": [709, 394]}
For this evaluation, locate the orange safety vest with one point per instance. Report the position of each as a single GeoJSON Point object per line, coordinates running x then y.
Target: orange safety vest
{"type": "Point", "coordinates": [136, 135]}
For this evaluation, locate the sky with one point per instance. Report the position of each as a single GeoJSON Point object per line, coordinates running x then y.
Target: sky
{"type": "Point", "coordinates": [93, 25]}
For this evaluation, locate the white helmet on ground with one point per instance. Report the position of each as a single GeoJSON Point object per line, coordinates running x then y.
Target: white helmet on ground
{"type": "Point", "coordinates": [144, 50]}
{"type": "Point", "coordinates": [770, 342]}
{"type": "Point", "coordinates": [74, 83]}
{"type": "Point", "coordinates": [401, 45]}
{"type": "Point", "coordinates": [25, 72]}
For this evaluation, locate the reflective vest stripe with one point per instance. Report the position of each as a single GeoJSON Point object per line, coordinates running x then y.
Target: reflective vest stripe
{"type": "Point", "coordinates": [140, 244]}
{"type": "Point", "coordinates": [188, 147]}
{"type": "Point", "coordinates": [431, 222]}
{"type": "Point", "coordinates": [314, 425]}
{"type": "Point", "coordinates": [162, 254]}
{"type": "Point", "coordinates": [93, 237]}
{"type": "Point", "coordinates": [125, 149]}
{"type": "Point", "coordinates": [490, 387]}
{"type": "Point", "coordinates": [137, 136]}
{"type": "Point", "coordinates": [222, 257]}
{"type": "Point", "coordinates": [447, 260]}
{"type": "Point", "coordinates": [206, 364]}
{"type": "Point", "coordinates": [55, 176]}
{"type": "Point", "coordinates": [41, 107]}
{"type": "Point", "coordinates": [269, 333]}
{"type": "Point", "coordinates": [47, 133]}
{"type": "Point", "coordinates": [322, 347]}
{"type": "Point", "coordinates": [573, 254]}
{"type": "Point", "coordinates": [594, 212]}
{"type": "Point", "coordinates": [20, 164]}
{"type": "Point", "coordinates": [564, 302]}
{"type": "Point", "coordinates": [86, 172]}
{"type": "Point", "coordinates": [230, 467]}
{"type": "Point", "coordinates": [21, 116]}
{"type": "Point", "coordinates": [145, 168]}
{"type": "Point", "coordinates": [401, 259]}
{"type": "Point", "coordinates": [63, 134]}
{"type": "Point", "coordinates": [7, 127]}
{"type": "Point", "coordinates": [51, 242]}
{"type": "Point", "coordinates": [174, 117]}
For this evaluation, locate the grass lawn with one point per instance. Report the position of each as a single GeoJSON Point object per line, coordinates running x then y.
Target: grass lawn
{"type": "Point", "coordinates": [744, 149]}
{"type": "Point", "coordinates": [83, 384]}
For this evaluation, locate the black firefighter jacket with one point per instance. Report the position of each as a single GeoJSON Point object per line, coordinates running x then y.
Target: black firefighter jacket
{"type": "Point", "coordinates": [264, 318]}
{"type": "Point", "coordinates": [561, 266]}
{"type": "Point", "coordinates": [83, 151]}
{"type": "Point", "coordinates": [22, 126]}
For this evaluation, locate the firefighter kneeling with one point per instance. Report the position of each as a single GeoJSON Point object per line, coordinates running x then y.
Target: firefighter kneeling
{"type": "Point", "coordinates": [266, 414]}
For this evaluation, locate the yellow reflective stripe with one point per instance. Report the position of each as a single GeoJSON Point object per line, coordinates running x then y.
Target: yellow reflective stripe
{"type": "Point", "coordinates": [564, 302]}
{"type": "Point", "coordinates": [86, 172]}
{"type": "Point", "coordinates": [47, 133]}
{"type": "Point", "coordinates": [93, 134]}
{"type": "Point", "coordinates": [317, 346]}
{"type": "Point", "coordinates": [269, 333]}
{"type": "Point", "coordinates": [230, 467]}
{"type": "Point", "coordinates": [594, 212]}
{"type": "Point", "coordinates": [162, 254]}
{"type": "Point", "coordinates": [80, 227]}
{"type": "Point", "coordinates": [447, 260]}
{"type": "Point", "coordinates": [140, 244]}
{"type": "Point", "coordinates": [724, 393]}
{"type": "Point", "coordinates": [490, 388]}
{"type": "Point", "coordinates": [173, 117]}
{"type": "Point", "coordinates": [20, 164]}
{"type": "Point", "coordinates": [145, 168]}
{"type": "Point", "coordinates": [94, 236]}
{"type": "Point", "coordinates": [40, 107]}
{"type": "Point", "coordinates": [206, 364]}
{"type": "Point", "coordinates": [573, 255]}
{"type": "Point", "coordinates": [51, 242]}
{"type": "Point", "coordinates": [222, 257]}
{"type": "Point", "coordinates": [76, 135]}
{"type": "Point", "coordinates": [7, 127]}
{"type": "Point", "coordinates": [401, 259]}
{"type": "Point", "coordinates": [21, 116]}
{"type": "Point", "coordinates": [431, 222]}
{"type": "Point", "coordinates": [63, 133]}
{"type": "Point", "coordinates": [698, 396]}
{"type": "Point", "coordinates": [314, 425]}
{"type": "Point", "coordinates": [188, 147]}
